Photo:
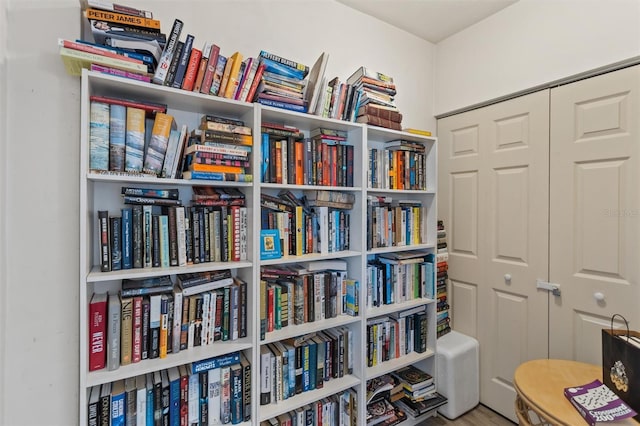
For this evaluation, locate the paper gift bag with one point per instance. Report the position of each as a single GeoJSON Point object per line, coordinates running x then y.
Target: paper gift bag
{"type": "Point", "coordinates": [621, 363]}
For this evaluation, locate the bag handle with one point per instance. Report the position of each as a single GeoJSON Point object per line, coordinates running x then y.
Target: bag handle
{"type": "Point", "coordinates": [623, 319]}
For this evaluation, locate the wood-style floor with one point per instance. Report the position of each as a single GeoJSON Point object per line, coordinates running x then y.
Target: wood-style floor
{"type": "Point", "coordinates": [479, 416]}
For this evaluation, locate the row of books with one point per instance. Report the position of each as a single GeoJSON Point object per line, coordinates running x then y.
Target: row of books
{"type": "Point", "coordinates": [319, 230]}
{"type": "Point", "coordinates": [304, 363]}
{"type": "Point", "coordinates": [318, 160]}
{"type": "Point", "coordinates": [153, 317]}
{"type": "Point", "coordinates": [394, 223]}
{"type": "Point", "coordinates": [212, 391]}
{"type": "Point", "coordinates": [399, 277]}
{"type": "Point", "coordinates": [442, 263]}
{"type": "Point", "coordinates": [306, 298]}
{"type": "Point", "coordinates": [400, 165]}
{"type": "Point", "coordinates": [334, 410]}
{"type": "Point", "coordinates": [396, 335]}
{"type": "Point", "coordinates": [148, 235]}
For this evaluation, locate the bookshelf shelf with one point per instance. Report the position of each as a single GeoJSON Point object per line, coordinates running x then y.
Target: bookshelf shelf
{"type": "Point", "coordinates": [101, 191]}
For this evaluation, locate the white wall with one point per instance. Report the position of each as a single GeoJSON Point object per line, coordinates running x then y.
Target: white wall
{"type": "Point", "coordinates": [530, 43]}
{"type": "Point", "coordinates": [39, 193]}
{"type": "Point", "coordinates": [3, 181]}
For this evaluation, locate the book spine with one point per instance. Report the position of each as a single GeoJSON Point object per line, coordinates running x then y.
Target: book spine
{"type": "Point", "coordinates": [148, 107]}
{"type": "Point", "coordinates": [105, 247]}
{"type": "Point", "coordinates": [134, 139]}
{"type": "Point", "coordinates": [211, 68]}
{"type": "Point", "coordinates": [157, 148]}
{"type": "Point", "coordinates": [256, 82]}
{"type": "Point", "coordinates": [97, 332]}
{"type": "Point", "coordinates": [124, 19]}
{"type": "Point", "coordinates": [136, 354]}
{"type": "Point", "coordinates": [193, 68]}
{"type": "Point", "coordinates": [292, 64]}
{"type": "Point", "coordinates": [183, 62]}
{"type": "Point", "coordinates": [283, 105]}
{"type": "Point", "coordinates": [217, 75]}
{"type": "Point", "coordinates": [167, 54]}
{"type": "Point", "coordinates": [233, 78]}
{"type": "Point", "coordinates": [126, 330]}
{"type": "Point", "coordinates": [99, 130]}
{"type": "Point", "coordinates": [75, 60]}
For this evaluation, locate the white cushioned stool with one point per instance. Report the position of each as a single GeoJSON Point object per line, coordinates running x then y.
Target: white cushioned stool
{"type": "Point", "coordinates": [458, 375]}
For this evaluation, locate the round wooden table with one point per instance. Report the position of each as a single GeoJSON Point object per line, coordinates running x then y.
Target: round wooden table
{"type": "Point", "coordinates": [539, 386]}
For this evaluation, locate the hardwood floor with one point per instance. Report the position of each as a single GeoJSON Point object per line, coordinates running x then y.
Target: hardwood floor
{"type": "Point", "coordinates": [479, 416]}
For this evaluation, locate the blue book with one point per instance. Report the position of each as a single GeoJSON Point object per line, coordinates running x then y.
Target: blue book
{"type": "Point", "coordinates": [217, 176]}
{"type": "Point", "coordinates": [127, 241]}
{"type": "Point", "coordinates": [183, 61]}
{"type": "Point", "coordinates": [306, 374]}
{"type": "Point", "coordinates": [270, 244]}
{"type": "Point", "coordinates": [264, 175]}
{"type": "Point", "coordinates": [149, 408]}
{"type": "Point", "coordinates": [174, 396]}
{"type": "Point", "coordinates": [117, 133]}
{"type": "Point", "coordinates": [280, 69]}
{"type": "Point", "coordinates": [292, 369]}
{"type": "Point", "coordinates": [282, 105]}
{"type": "Point", "coordinates": [237, 415]}
{"type": "Point", "coordinates": [216, 362]}
{"type": "Point", "coordinates": [117, 403]}
{"type": "Point", "coordinates": [313, 364]}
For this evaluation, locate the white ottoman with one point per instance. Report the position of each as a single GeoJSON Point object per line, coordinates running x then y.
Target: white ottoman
{"type": "Point", "coordinates": [458, 375]}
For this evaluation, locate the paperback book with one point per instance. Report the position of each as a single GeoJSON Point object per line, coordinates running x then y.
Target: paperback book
{"type": "Point", "coordinates": [597, 403]}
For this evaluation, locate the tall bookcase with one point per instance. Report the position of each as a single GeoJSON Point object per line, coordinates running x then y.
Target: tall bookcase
{"type": "Point", "coordinates": [102, 192]}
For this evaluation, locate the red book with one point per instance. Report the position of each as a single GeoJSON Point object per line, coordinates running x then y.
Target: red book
{"type": "Point", "coordinates": [136, 355]}
{"type": "Point", "coordinates": [211, 69]}
{"type": "Point", "coordinates": [192, 69]}
{"type": "Point", "coordinates": [256, 82]}
{"type": "Point", "coordinates": [147, 106]}
{"type": "Point", "coordinates": [97, 331]}
{"type": "Point", "coordinates": [96, 50]}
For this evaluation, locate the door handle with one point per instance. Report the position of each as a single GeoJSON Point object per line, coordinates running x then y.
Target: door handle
{"type": "Point", "coordinates": [553, 288]}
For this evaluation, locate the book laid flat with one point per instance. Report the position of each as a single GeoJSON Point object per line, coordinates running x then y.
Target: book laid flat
{"type": "Point", "coordinates": [598, 404]}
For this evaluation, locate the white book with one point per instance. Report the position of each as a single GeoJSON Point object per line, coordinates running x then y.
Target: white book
{"type": "Point", "coordinates": [212, 316]}
{"type": "Point", "coordinates": [214, 407]}
{"type": "Point", "coordinates": [141, 401]}
{"type": "Point", "coordinates": [194, 398]}
{"type": "Point", "coordinates": [172, 146]}
{"type": "Point", "coordinates": [182, 236]}
{"type": "Point", "coordinates": [177, 320]}
{"type": "Point", "coordinates": [225, 394]}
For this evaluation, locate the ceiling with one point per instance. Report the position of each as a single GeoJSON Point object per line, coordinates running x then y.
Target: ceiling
{"type": "Point", "coordinates": [431, 20]}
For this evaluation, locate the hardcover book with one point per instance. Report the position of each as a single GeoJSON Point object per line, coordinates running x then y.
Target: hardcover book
{"type": "Point", "coordinates": [598, 404]}
{"type": "Point", "coordinates": [157, 148]}
{"type": "Point", "coordinates": [97, 331]}
{"type": "Point", "coordinates": [270, 244]}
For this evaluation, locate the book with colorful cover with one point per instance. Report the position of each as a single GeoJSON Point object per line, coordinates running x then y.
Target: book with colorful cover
{"type": "Point", "coordinates": [597, 404]}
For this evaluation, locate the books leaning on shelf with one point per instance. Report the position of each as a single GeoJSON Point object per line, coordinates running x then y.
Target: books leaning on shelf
{"type": "Point", "coordinates": [209, 391]}
{"type": "Point", "coordinates": [75, 60]}
{"type": "Point", "coordinates": [598, 404]}
{"type": "Point", "coordinates": [338, 409]}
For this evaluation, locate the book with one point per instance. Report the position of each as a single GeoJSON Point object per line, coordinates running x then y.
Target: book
{"type": "Point", "coordinates": [193, 68]}
{"type": "Point", "coordinates": [367, 72]}
{"type": "Point", "coordinates": [95, 49]}
{"type": "Point", "coordinates": [122, 18]}
{"type": "Point", "coordinates": [215, 362]}
{"type": "Point", "coordinates": [162, 69]}
{"type": "Point", "coordinates": [149, 107]}
{"type": "Point", "coordinates": [115, 7]}
{"type": "Point", "coordinates": [303, 69]}
{"type": "Point", "coordinates": [416, 131]}
{"type": "Point", "coordinates": [99, 136]}
{"type": "Point", "coordinates": [155, 153]}
{"type": "Point", "coordinates": [202, 67]}
{"type": "Point", "coordinates": [93, 406]}
{"type": "Point", "coordinates": [234, 77]}
{"type": "Point", "coordinates": [372, 110]}
{"type": "Point", "coordinates": [183, 62]}
{"type": "Point", "coordinates": [380, 122]}
{"type": "Point", "coordinates": [283, 105]}
{"type": "Point", "coordinates": [173, 66]}
{"type": "Point", "coordinates": [217, 176]}
{"type": "Point", "coordinates": [113, 331]}
{"type": "Point", "coordinates": [269, 244]}
{"type": "Point", "coordinates": [118, 403]}
{"type": "Point", "coordinates": [598, 404]}
{"type": "Point", "coordinates": [314, 87]}
{"type": "Point", "coordinates": [218, 74]}
{"type": "Point", "coordinates": [134, 139]}
{"type": "Point", "coordinates": [97, 331]}
{"type": "Point", "coordinates": [75, 60]}
{"type": "Point", "coordinates": [212, 61]}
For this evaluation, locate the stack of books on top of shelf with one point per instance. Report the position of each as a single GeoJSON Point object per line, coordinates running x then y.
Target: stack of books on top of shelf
{"type": "Point", "coordinates": [118, 40]}
{"type": "Point", "coordinates": [382, 391]}
{"type": "Point", "coordinates": [376, 105]}
{"type": "Point", "coordinates": [442, 263]}
{"type": "Point", "coordinates": [282, 83]}
{"type": "Point", "coordinates": [219, 150]}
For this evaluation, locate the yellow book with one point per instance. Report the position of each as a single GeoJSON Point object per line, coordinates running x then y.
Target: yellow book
{"type": "Point", "coordinates": [417, 131]}
{"type": "Point", "coordinates": [234, 77]}
{"type": "Point", "coordinates": [225, 77]}
{"type": "Point", "coordinates": [126, 330]}
{"type": "Point", "coordinates": [164, 322]}
{"type": "Point", "coordinates": [75, 60]}
{"type": "Point", "coordinates": [157, 149]}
